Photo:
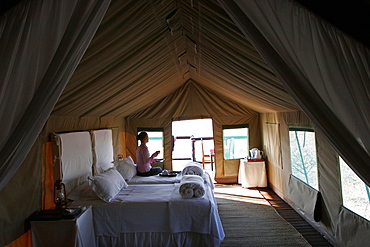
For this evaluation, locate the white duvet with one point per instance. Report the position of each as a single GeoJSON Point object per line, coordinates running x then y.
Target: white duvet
{"type": "Point", "coordinates": [155, 208]}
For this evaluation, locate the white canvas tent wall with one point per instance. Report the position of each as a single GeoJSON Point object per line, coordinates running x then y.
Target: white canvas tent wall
{"type": "Point", "coordinates": [154, 61]}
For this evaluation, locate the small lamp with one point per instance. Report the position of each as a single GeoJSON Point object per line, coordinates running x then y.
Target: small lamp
{"type": "Point", "coordinates": [60, 198]}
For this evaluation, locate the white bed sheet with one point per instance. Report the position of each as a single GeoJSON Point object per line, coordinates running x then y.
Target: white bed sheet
{"type": "Point", "coordinates": [157, 179]}
{"type": "Point", "coordinates": [156, 208]}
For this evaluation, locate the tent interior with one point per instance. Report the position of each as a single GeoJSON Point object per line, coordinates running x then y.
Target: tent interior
{"type": "Point", "coordinates": [124, 65]}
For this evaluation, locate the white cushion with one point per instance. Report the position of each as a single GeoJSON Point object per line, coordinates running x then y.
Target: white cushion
{"type": "Point", "coordinates": [82, 192]}
{"type": "Point", "coordinates": [104, 168]}
{"type": "Point", "coordinates": [126, 167]}
{"type": "Point", "coordinates": [107, 184]}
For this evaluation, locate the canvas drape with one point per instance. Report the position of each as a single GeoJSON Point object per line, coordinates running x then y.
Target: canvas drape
{"type": "Point", "coordinates": [326, 71]}
{"type": "Point", "coordinates": [42, 43]}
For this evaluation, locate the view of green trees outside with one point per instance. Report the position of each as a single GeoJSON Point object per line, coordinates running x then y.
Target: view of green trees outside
{"type": "Point", "coordinates": [303, 155]}
{"type": "Point", "coordinates": [236, 143]}
{"type": "Point", "coordinates": [355, 193]}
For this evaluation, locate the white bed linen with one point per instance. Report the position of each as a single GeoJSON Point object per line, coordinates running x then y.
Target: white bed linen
{"type": "Point", "coordinates": [156, 179]}
{"type": "Point", "coordinates": [167, 180]}
{"type": "Point", "coordinates": [155, 239]}
{"type": "Point", "coordinates": [156, 210]}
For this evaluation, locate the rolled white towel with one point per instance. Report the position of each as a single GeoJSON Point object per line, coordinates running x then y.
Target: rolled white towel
{"type": "Point", "coordinates": [191, 186]}
{"type": "Point", "coordinates": [208, 180]}
{"type": "Point", "coordinates": [186, 192]}
{"type": "Point", "coordinates": [192, 169]}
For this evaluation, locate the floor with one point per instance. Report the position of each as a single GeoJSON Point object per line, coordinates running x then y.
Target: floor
{"type": "Point", "coordinates": [287, 212]}
{"type": "Point", "coordinates": [290, 215]}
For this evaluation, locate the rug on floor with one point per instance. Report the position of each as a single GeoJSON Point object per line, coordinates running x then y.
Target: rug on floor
{"type": "Point", "coordinates": [249, 220]}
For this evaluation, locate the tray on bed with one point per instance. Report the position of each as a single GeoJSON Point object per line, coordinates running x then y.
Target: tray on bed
{"type": "Point", "coordinates": [169, 173]}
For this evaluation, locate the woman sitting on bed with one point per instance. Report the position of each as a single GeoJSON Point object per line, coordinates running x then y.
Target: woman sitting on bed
{"type": "Point", "coordinates": [143, 160]}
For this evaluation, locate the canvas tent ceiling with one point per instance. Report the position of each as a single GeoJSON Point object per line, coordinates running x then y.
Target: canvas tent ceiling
{"type": "Point", "coordinates": [148, 50]}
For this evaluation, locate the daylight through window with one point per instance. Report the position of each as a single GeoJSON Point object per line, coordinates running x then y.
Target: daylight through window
{"type": "Point", "coordinates": [355, 193]}
{"type": "Point", "coordinates": [235, 142]}
{"type": "Point", "coordinates": [303, 155]}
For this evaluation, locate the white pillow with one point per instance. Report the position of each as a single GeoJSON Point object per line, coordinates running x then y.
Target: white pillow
{"type": "Point", "coordinates": [126, 167]}
{"type": "Point", "coordinates": [82, 192]}
{"type": "Point", "coordinates": [107, 184]}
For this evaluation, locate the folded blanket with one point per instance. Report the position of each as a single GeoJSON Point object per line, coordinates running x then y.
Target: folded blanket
{"type": "Point", "coordinates": [193, 169]}
{"type": "Point", "coordinates": [191, 186]}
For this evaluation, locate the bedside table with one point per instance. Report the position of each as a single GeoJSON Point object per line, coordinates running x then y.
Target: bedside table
{"type": "Point", "coordinates": [64, 232]}
{"type": "Point", "coordinates": [252, 174]}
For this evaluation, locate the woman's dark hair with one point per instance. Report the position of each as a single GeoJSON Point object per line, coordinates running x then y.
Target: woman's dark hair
{"type": "Point", "coordinates": [141, 136]}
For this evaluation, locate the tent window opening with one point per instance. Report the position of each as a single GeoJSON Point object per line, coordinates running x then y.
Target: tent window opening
{"type": "Point", "coordinates": [182, 148]}
{"type": "Point", "coordinates": [235, 141]}
{"type": "Point", "coordinates": [155, 141]}
{"type": "Point", "coordinates": [303, 155]}
{"type": "Point", "coordinates": [355, 193]}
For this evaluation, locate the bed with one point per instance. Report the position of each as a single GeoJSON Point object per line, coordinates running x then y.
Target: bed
{"type": "Point", "coordinates": [141, 212]}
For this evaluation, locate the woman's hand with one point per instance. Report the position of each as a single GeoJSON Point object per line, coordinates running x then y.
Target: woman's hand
{"type": "Point", "coordinates": [155, 154]}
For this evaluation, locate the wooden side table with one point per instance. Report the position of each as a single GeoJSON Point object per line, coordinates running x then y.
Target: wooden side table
{"type": "Point", "coordinates": [78, 232]}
